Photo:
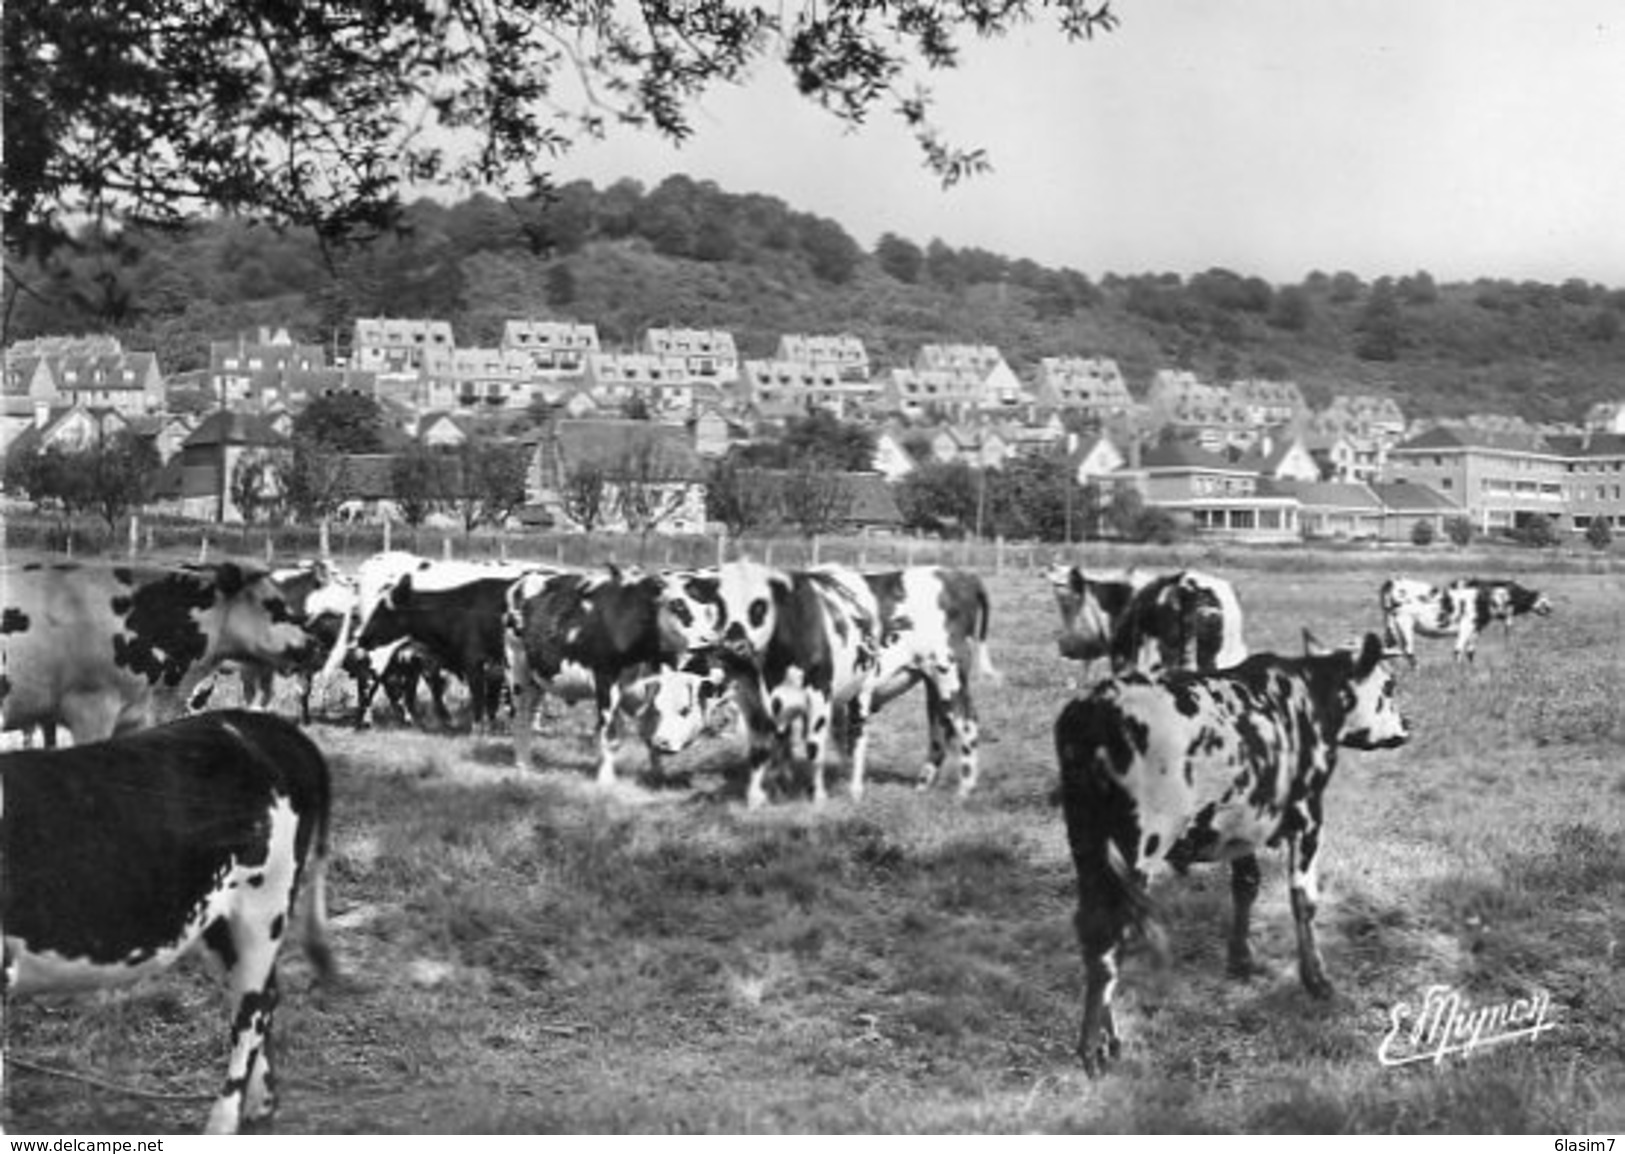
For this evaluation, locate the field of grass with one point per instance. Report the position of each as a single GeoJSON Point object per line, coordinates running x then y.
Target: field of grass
{"type": "Point", "coordinates": [527, 952]}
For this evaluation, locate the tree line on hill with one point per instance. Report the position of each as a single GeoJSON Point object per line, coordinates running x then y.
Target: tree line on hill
{"type": "Point", "coordinates": [688, 253]}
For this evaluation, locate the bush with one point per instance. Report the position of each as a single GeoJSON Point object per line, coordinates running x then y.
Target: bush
{"type": "Point", "coordinates": [1459, 530]}
{"type": "Point", "coordinates": [1599, 534]}
{"type": "Point", "coordinates": [1538, 532]}
{"type": "Point", "coordinates": [1422, 533]}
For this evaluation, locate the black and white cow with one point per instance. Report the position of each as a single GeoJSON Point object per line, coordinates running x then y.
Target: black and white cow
{"type": "Point", "coordinates": [934, 625]}
{"type": "Point", "coordinates": [1181, 620]}
{"type": "Point", "coordinates": [452, 610]}
{"type": "Point", "coordinates": [583, 635]}
{"type": "Point", "coordinates": [102, 649]}
{"type": "Point", "coordinates": [1461, 610]}
{"type": "Point", "coordinates": [1186, 767]}
{"type": "Point", "coordinates": [797, 647]}
{"type": "Point", "coordinates": [120, 856]}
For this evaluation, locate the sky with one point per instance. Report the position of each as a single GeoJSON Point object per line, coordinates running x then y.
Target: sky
{"type": "Point", "coordinates": [1466, 138]}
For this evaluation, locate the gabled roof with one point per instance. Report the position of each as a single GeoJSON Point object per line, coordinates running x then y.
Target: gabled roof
{"type": "Point", "coordinates": [1409, 497]}
{"type": "Point", "coordinates": [228, 427]}
{"type": "Point", "coordinates": [1180, 455]}
{"type": "Point", "coordinates": [1328, 494]}
{"type": "Point", "coordinates": [1466, 437]}
{"type": "Point", "coordinates": [605, 443]}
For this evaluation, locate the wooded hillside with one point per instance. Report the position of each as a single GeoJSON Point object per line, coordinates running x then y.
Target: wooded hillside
{"type": "Point", "coordinates": [690, 254]}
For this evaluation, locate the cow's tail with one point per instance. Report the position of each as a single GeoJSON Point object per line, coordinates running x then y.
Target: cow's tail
{"type": "Point", "coordinates": [317, 947]}
{"type": "Point", "coordinates": [1133, 905]}
{"type": "Point", "coordinates": [984, 659]}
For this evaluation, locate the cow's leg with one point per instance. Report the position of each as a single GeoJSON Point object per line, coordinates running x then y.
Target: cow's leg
{"type": "Point", "coordinates": [248, 954]}
{"type": "Point", "coordinates": [1302, 848]}
{"type": "Point", "coordinates": [936, 724]}
{"type": "Point", "coordinates": [765, 743]}
{"type": "Point", "coordinates": [607, 695]}
{"type": "Point", "coordinates": [857, 727]}
{"type": "Point", "coordinates": [1245, 878]}
{"type": "Point", "coordinates": [527, 696]}
{"type": "Point", "coordinates": [1098, 935]}
{"type": "Point", "coordinates": [366, 688]}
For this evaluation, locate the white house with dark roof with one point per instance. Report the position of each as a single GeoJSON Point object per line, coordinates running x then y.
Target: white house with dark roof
{"type": "Point", "coordinates": [844, 352]}
{"type": "Point", "coordinates": [1092, 386]}
{"type": "Point", "coordinates": [555, 348]}
{"type": "Point", "coordinates": [708, 354]}
{"type": "Point", "coordinates": [395, 345]}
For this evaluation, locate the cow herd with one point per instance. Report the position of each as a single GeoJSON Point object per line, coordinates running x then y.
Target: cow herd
{"type": "Point", "coordinates": [1187, 750]}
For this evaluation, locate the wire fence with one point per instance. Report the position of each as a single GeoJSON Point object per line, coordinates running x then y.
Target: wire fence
{"type": "Point", "coordinates": [27, 535]}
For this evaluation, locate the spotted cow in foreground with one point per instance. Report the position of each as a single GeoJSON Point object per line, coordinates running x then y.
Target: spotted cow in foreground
{"type": "Point", "coordinates": [100, 891]}
{"type": "Point", "coordinates": [797, 647]}
{"type": "Point", "coordinates": [584, 635]}
{"type": "Point", "coordinates": [103, 649]}
{"type": "Point", "coordinates": [1186, 767]}
{"type": "Point", "coordinates": [1181, 620]}
{"type": "Point", "coordinates": [1461, 610]}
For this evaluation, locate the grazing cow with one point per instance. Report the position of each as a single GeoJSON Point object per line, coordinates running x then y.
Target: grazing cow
{"type": "Point", "coordinates": [108, 648]}
{"type": "Point", "coordinates": [671, 709]}
{"type": "Point", "coordinates": [452, 610]}
{"type": "Point", "coordinates": [1181, 620]}
{"type": "Point", "coordinates": [1461, 610]}
{"type": "Point", "coordinates": [798, 646]}
{"type": "Point", "coordinates": [1191, 767]}
{"type": "Point", "coordinates": [120, 856]}
{"type": "Point", "coordinates": [313, 591]}
{"type": "Point", "coordinates": [932, 619]}
{"type": "Point", "coordinates": [586, 634]}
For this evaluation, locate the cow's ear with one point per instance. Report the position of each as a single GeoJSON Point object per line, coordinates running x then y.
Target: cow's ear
{"type": "Point", "coordinates": [1312, 646]}
{"type": "Point", "coordinates": [1076, 581]}
{"type": "Point", "coordinates": [229, 578]}
{"type": "Point", "coordinates": [708, 689]}
{"type": "Point", "coordinates": [636, 694]}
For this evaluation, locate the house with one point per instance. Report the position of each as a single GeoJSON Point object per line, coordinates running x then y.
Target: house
{"type": "Point", "coordinates": [196, 483]}
{"type": "Point", "coordinates": [1261, 404]}
{"type": "Point", "coordinates": [607, 462]}
{"type": "Point", "coordinates": [68, 429]}
{"type": "Point", "coordinates": [1094, 458]}
{"type": "Point", "coordinates": [29, 384]}
{"type": "Point", "coordinates": [556, 349]}
{"type": "Point", "coordinates": [778, 389]}
{"type": "Point", "coordinates": [1091, 386]}
{"type": "Point", "coordinates": [707, 354]}
{"type": "Point", "coordinates": [844, 353]}
{"type": "Point", "coordinates": [978, 371]}
{"type": "Point", "coordinates": [1405, 504]}
{"type": "Point", "coordinates": [1212, 494]}
{"type": "Point", "coordinates": [442, 431]}
{"type": "Point", "coordinates": [713, 435]}
{"type": "Point", "coordinates": [265, 368]}
{"type": "Point", "coordinates": [978, 447]}
{"type": "Point", "coordinates": [891, 460]}
{"type": "Point", "coordinates": [663, 382]}
{"type": "Point", "coordinates": [127, 381]}
{"type": "Point", "coordinates": [394, 345]}
{"type": "Point", "coordinates": [1336, 510]}
{"type": "Point", "coordinates": [1594, 463]}
{"type": "Point", "coordinates": [481, 378]}
{"type": "Point", "coordinates": [1283, 458]}
{"type": "Point", "coordinates": [1500, 478]}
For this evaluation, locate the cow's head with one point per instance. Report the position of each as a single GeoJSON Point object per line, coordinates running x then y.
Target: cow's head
{"type": "Point", "coordinates": [173, 619]}
{"type": "Point", "coordinates": [690, 614]}
{"type": "Point", "coordinates": [1090, 606]}
{"type": "Point", "coordinates": [751, 596]}
{"type": "Point", "coordinates": [1364, 686]}
{"type": "Point", "coordinates": [672, 708]}
{"type": "Point", "coordinates": [1521, 600]}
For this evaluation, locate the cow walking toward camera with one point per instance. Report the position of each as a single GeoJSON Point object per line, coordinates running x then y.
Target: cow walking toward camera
{"type": "Point", "coordinates": [1169, 771]}
{"type": "Point", "coordinates": [118, 857]}
{"type": "Point", "coordinates": [1462, 610]}
{"type": "Point", "coordinates": [1140, 621]}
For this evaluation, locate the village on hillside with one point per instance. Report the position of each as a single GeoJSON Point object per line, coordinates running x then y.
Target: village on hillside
{"type": "Point", "coordinates": [1243, 460]}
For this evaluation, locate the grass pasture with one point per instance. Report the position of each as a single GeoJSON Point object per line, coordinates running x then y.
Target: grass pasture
{"type": "Point", "coordinates": [527, 952]}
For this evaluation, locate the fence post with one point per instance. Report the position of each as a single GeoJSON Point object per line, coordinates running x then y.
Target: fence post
{"type": "Point", "coordinates": [445, 547]}
{"type": "Point", "coordinates": [816, 541]}
{"type": "Point", "coordinates": [502, 545]}
{"type": "Point", "coordinates": [203, 550]}
{"type": "Point", "coordinates": [326, 541]}
{"type": "Point", "coordinates": [386, 534]}
{"type": "Point", "coordinates": [722, 548]}
{"type": "Point", "coordinates": [135, 534]}
{"type": "Point", "coordinates": [270, 548]}
{"type": "Point", "coordinates": [998, 554]}
{"type": "Point", "coordinates": [151, 539]}
{"type": "Point", "coordinates": [767, 553]}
